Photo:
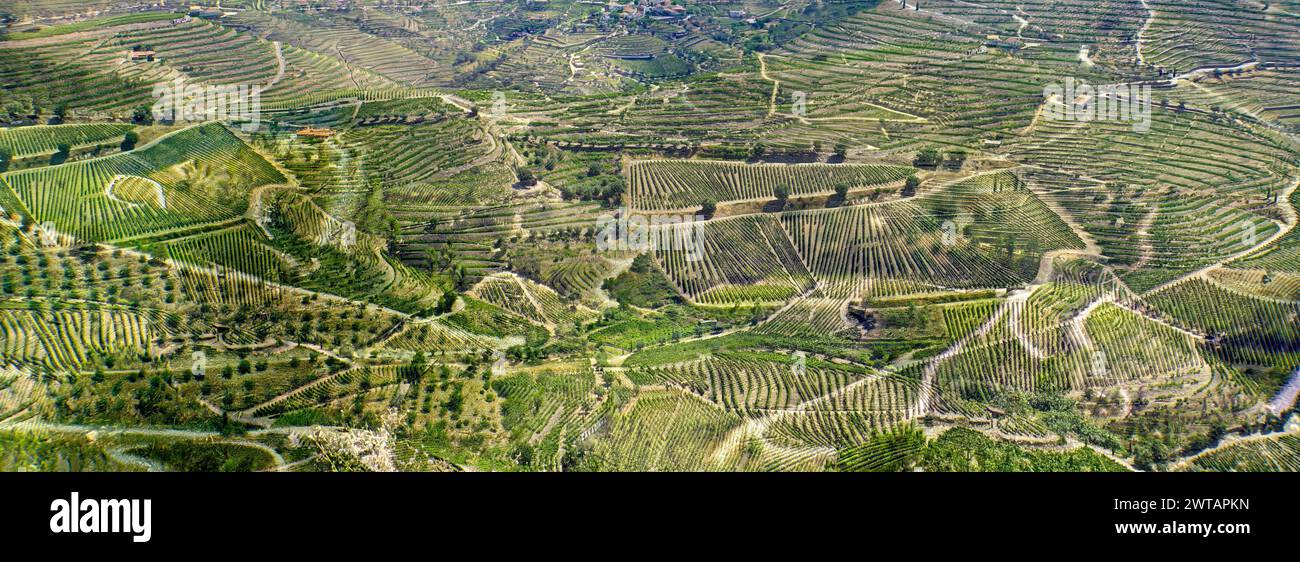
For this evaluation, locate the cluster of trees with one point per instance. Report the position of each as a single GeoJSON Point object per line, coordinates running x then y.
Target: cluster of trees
{"type": "Point", "coordinates": [600, 182]}
{"type": "Point", "coordinates": [604, 186]}
{"type": "Point", "coordinates": [759, 151]}
{"type": "Point", "coordinates": [446, 302]}
{"type": "Point", "coordinates": [708, 207]}
{"type": "Point", "coordinates": [781, 194]}
{"type": "Point", "coordinates": [142, 115]}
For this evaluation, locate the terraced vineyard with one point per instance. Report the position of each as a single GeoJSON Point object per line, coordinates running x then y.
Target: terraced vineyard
{"type": "Point", "coordinates": [196, 172]}
{"type": "Point", "coordinates": [660, 236]}
{"type": "Point", "coordinates": [29, 141]}
{"type": "Point", "coordinates": [675, 184]}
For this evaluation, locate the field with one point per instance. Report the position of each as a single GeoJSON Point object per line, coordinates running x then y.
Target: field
{"type": "Point", "coordinates": [675, 184]}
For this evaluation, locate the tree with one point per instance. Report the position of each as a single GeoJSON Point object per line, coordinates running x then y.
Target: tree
{"type": "Point", "coordinates": [129, 140]}
{"type": "Point", "coordinates": [415, 370]}
{"type": "Point", "coordinates": [758, 151]}
{"type": "Point", "coordinates": [142, 115]}
{"type": "Point", "coordinates": [62, 154]}
{"type": "Point", "coordinates": [708, 207]}
{"type": "Point", "coordinates": [842, 191]}
{"type": "Point", "coordinates": [782, 194]}
{"type": "Point", "coordinates": [445, 303]}
{"type": "Point", "coordinates": [910, 185]}
{"type": "Point", "coordinates": [523, 454]}
{"type": "Point", "coordinates": [526, 177]}
{"type": "Point", "coordinates": [5, 159]}
{"type": "Point", "coordinates": [460, 276]}
{"type": "Point", "coordinates": [841, 150]}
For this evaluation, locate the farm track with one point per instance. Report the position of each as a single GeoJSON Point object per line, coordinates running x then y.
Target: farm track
{"type": "Point", "coordinates": [925, 396]}
{"type": "Point", "coordinates": [1146, 250]}
{"type": "Point", "coordinates": [1151, 17]}
{"type": "Point", "coordinates": [776, 84]}
{"type": "Point", "coordinates": [959, 21]}
{"type": "Point", "coordinates": [108, 190]}
{"type": "Point", "coordinates": [1016, 304]}
{"type": "Point", "coordinates": [1287, 226]}
{"type": "Point", "coordinates": [1206, 277]}
{"type": "Point", "coordinates": [279, 59]}
{"type": "Point", "coordinates": [219, 272]}
{"type": "Point", "coordinates": [212, 437]}
{"type": "Point", "coordinates": [776, 88]}
{"type": "Point", "coordinates": [493, 154]}
{"type": "Point", "coordinates": [250, 413]}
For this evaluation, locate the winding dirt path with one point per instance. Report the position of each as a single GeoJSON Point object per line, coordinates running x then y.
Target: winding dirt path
{"type": "Point", "coordinates": [925, 395]}
{"type": "Point", "coordinates": [776, 84]}
{"type": "Point", "coordinates": [1016, 306]}
{"type": "Point", "coordinates": [1151, 16]}
{"type": "Point", "coordinates": [158, 190]}
{"type": "Point", "coordinates": [279, 59]}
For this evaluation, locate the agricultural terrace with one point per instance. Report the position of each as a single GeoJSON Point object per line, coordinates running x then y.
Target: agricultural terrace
{"type": "Point", "coordinates": [33, 141]}
{"type": "Point", "coordinates": [199, 176]}
{"type": "Point", "coordinates": [682, 184]}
